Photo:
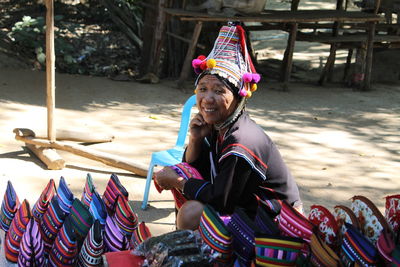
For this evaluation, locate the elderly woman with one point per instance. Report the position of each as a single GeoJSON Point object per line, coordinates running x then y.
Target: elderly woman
{"type": "Point", "coordinates": [230, 151]}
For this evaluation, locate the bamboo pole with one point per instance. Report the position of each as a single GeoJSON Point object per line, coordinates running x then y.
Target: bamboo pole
{"type": "Point", "coordinates": [50, 71]}
{"type": "Point", "coordinates": [48, 156]}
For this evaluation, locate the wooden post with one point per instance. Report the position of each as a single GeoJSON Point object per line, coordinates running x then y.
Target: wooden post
{"type": "Point", "coordinates": [158, 38]}
{"type": "Point", "coordinates": [50, 70]}
{"type": "Point", "coordinates": [189, 55]}
{"type": "Point", "coordinates": [288, 56]}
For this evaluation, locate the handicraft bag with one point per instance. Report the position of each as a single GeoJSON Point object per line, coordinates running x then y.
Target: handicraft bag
{"type": "Point", "coordinates": [92, 248]}
{"type": "Point", "coordinates": [371, 219]}
{"type": "Point", "coordinates": [113, 189]}
{"type": "Point", "coordinates": [321, 254]}
{"type": "Point", "coordinates": [392, 213]}
{"type": "Point", "coordinates": [140, 234]}
{"type": "Point", "coordinates": [114, 239]}
{"type": "Point", "coordinates": [264, 221]}
{"type": "Point", "coordinates": [9, 207]}
{"type": "Point", "coordinates": [270, 200]}
{"type": "Point", "coordinates": [326, 223]}
{"type": "Point", "coordinates": [43, 202]}
{"type": "Point", "coordinates": [81, 220]}
{"type": "Point", "coordinates": [215, 234]}
{"type": "Point", "coordinates": [124, 217]}
{"type": "Point", "coordinates": [31, 250]}
{"type": "Point", "coordinates": [88, 190]}
{"type": "Point", "coordinates": [65, 196]}
{"type": "Point", "coordinates": [344, 215]}
{"type": "Point", "coordinates": [98, 208]}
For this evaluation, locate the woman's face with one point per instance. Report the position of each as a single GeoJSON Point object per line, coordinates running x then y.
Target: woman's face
{"type": "Point", "coordinates": [214, 100]}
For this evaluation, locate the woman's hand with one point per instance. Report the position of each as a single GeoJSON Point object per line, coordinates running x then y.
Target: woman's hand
{"type": "Point", "coordinates": [198, 127]}
{"type": "Point", "coordinates": [167, 179]}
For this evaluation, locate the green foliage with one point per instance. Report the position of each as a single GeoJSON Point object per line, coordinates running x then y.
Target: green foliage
{"type": "Point", "coordinates": [29, 35]}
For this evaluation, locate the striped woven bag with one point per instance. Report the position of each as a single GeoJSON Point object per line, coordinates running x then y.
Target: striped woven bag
{"type": "Point", "coordinates": [357, 249]}
{"type": "Point", "coordinates": [114, 239]}
{"type": "Point", "coordinates": [51, 223]}
{"type": "Point", "coordinates": [64, 195]}
{"type": "Point", "coordinates": [88, 191]}
{"type": "Point", "coordinates": [93, 247]}
{"type": "Point", "coordinates": [113, 189]}
{"type": "Point", "coordinates": [98, 208]}
{"type": "Point", "coordinates": [81, 220]}
{"type": "Point", "coordinates": [140, 234]}
{"type": "Point", "coordinates": [322, 254]}
{"type": "Point", "coordinates": [125, 218]}
{"type": "Point", "coordinates": [43, 202]}
{"type": "Point", "coordinates": [277, 250]}
{"type": "Point", "coordinates": [31, 248]}
{"type": "Point", "coordinates": [214, 232]}
{"type": "Point", "coordinates": [64, 251]}
{"type": "Point", "coordinates": [17, 229]}
{"type": "Point", "coordinates": [9, 207]}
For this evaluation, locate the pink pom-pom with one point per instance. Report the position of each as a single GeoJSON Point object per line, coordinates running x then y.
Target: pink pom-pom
{"type": "Point", "coordinates": [243, 92]}
{"type": "Point", "coordinates": [198, 71]}
{"type": "Point", "coordinates": [247, 77]}
{"type": "Point", "coordinates": [196, 63]}
{"type": "Point", "coordinates": [201, 57]}
{"type": "Point", "coordinates": [256, 77]}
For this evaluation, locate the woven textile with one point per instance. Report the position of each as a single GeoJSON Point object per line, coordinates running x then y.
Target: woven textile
{"type": "Point", "coordinates": [98, 208]}
{"type": "Point", "coordinates": [270, 200]}
{"type": "Point", "coordinates": [64, 251]}
{"type": "Point", "coordinates": [214, 232]}
{"type": "Point", "coordinates": [64, 195]}
{"type": "Point", "coordinates": [31, 248]}
{"type": "Point", "coordinates": [322, 254]}
{"type": "Point", "coordinates": [386, 246]}
{"type": "Point", "coordinates": [396, 256]}
{"type": "Point", "coordinates": [93, 247]}
{"type": "Point", "coordinates": [88, 191]}
{"type": "Point", "coordinates": [371, 219]}
{"type": "Point", "coordinates": [357, 249]}
{"type": "Point", "coordinates": [16, 230]}
{"type": "Point", "coordinates": [43, 202]}
{"type": "Point", "coordinates": [81, 220]}
{"type": "Point", "coordinates": [113, 189]}
{"type": "Point", "coordinates": [51, 223]}
{"type": "Point", "coordinates": [264, 221]}
{"type": "Point", "coordinates": [326, 223]}
{"type": "Point", "coordinates": [243, 230]}
{"type": "Point", "coordinates": [125, 218]}
{"type": "Point", "coordinates": [392, 212]}
{"type": "Point", "coordinates": [114, 239]}
{"type": "Point", "coordinates": [293, 223]}
{"type": "Point", "coordinates": [277, 250]}
{"type": "Point", "coordinates": [9, 207]}
{"type": "Point", "coordinates": [344, 215]}
{"type": "Point", "coordinates": [140, 234]}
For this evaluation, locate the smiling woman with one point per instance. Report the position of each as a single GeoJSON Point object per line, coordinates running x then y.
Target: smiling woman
{"type": "Point", "coordinates": [232, 154]}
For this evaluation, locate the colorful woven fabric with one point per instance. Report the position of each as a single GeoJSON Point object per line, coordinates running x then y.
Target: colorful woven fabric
{"type": "Point", "coordinates": [277, 250]}
{"type": "Point", "coordinates": [81, 219]}
{"type": "Point", "coordinates": [357, 249]}
{"type": "Point", "coordinates": [43, 202]}
{"type": "Point", "coordinates": [322, 254]}
{"type": "Point", "coordinates": [214, 232]}
{"type": "Point", "coordinates": [114, 239]}
{"type": "Point", "coordinates": [64, 251]}
{"type": "Point", "coordinates": [93, 247]}
{"type": "Point", "coordinates": [88, 191]}
{"type": "Point", "coordinates": [98, 208]}
{"type": "Point", "coordinates": [113, 189]}
{"type": "Point", "coordinates": [31, 251]}
{"type": "Point", "coordinates": [64, 195]}
{"type": "Point", "coordinates": [16, 230]}
{"type": "Point", "coordinates": [270, 200]}
{"type": "Point", "coordinates": [140, 234]}
{"type": "Point", "coordinates": [326, 223]}
{"type": "Point", "coordinates": [186, 171]}
{"type": "Point", "coordinates": [264, 221]}
{"type": "Point", "coordinates": [344, 215]}
{"type": "Point", "coordinates": [9, 207]}
{"type": "Point", "coordinates": [386, 246]}
{"type": "Point", "coordinates": [125, 218]}
{"type": "Point", "coordinates": [293, 223]}
{"type": "Point", "coordinates": [51, 223]}
{"type": "Point", "coordinates": [392, 212]}
{"type": "Point", "coordinates": [371, 219]}
{"type": "Point", "coordinates": [243, 230]}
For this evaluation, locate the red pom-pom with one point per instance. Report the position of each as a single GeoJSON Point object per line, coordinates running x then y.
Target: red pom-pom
{"type": "Point", "coordinates": [196, 63]}
{"type": "Point", "coordinates": [203, 65]}
{"type": "Point", "coordinates": [256, 77]}
{"type": "Point", "coordinates": [247, 77]}
{"type": "Point", "coordinates": [201, 57]}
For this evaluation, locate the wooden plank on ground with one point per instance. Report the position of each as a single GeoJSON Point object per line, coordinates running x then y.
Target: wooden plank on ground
{"type": "Point", "coordinates": [48, 156]}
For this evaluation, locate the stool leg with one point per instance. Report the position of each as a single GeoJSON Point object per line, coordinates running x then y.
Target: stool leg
{"type": "Point", "coordinates": [147, 188]}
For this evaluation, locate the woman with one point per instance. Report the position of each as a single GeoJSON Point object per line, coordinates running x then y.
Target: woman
{"type": "Point", "coordinates": [231, 152]}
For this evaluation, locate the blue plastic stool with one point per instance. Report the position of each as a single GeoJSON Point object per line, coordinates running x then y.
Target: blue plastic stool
{"type": "Point", "coordinates": [171, 156]}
